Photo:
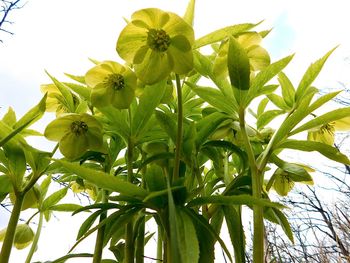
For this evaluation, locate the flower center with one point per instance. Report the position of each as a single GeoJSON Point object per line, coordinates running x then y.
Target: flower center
{"type": "Point", "coordinates": [158, 40]}
{"type": "Point", "coordinates": [78, 127]}
{"type": "Point", "coordinates": [115, 81]}
{"type": "Point", "coordinates": [328, 128]}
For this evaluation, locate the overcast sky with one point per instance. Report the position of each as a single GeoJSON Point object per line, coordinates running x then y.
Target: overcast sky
{"type": "Point", "coordinates": [60, 36]}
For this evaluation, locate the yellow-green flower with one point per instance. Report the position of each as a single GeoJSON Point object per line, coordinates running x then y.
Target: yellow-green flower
{"type": "Point", "coordinates": [259, 58]}
{"type": "Point", "coordinates": [112, 84]}
{"type": "Point", "coordinates": [76, 133]}
{"type": "Point", "coordinates": [157, 43]}
{"type": "Point", "coordinates": [325, 133]}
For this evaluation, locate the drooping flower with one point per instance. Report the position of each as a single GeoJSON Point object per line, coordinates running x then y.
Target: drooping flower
{"type": "Point", "coordinates": [76, 133]}
{"type": "Point", "coordinates": [326, 132]}
{"type": "Point", "coordinates": [55, 100]}
{"type": "Point", "coordinates": [259, 58]}
{"type": "Point", "coordinates": [112, 84]}
{"type": "Point", "coordinates": [157, 43]}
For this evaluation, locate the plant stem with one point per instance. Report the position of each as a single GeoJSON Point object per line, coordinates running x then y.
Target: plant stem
{"type": "Point", "coordinates": [258, 238]}
{"type": "Point", "coordinates": [129, 232]}
{"type": "Point", "coordinates": [140, 242]}
{"type": "Point", "coordinates": [159, 245]}
{"type": "Point", "coordinates": [11, 229]}
{"type": "Point", "coordinates": [179, 128]}
{"type": "Point", "coordinates": [36, 238]}
{"type": "Point", "coordinates": [100, 234]}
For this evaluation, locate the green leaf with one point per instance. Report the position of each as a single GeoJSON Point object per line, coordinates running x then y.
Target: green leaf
{"type": "Point", "coordinates": [236, 231]}
{"type": "Point", "coordinates": [215, 98]}
{"type": "Point", "coordinates": [296, 172]}
{"type": "Point", "coordinates": [238, 66]}
{"type": "Point", "coordinates": [53, 199]}
{"type": "Point", "coordinates": [288, 91]}
{"type": "Point", "coordinates": [149, 100]}
{"type": "Point", "coordinates": [81, 90]}
{"type": "Point", "coordinates": [222, 33]}
{"type": "Point", "coordinates": [16, 165]}
{"type": "Point", "coordinates": [262, 106]}
{"type": "Point", "coordinates": [323, 119]}
{"type": "Point", "coordinates": [65, 207]}
{"type": "Point", "coordinates": [187, 238]}
{"type": "Point", "coordinates": [10, 117]}
{"type": "Point", "coordinates": [283, 222]}
{"type": "Point", "coordinates": [278, 101]}
{"type": "Point", "coordinates": [67, 95]}
{"type": "Point", "coordinates": [167, 123]}
{"type": "Point", "coordinates": [207, 125]}
{"type": "Point", "coordinates": [104, 180]}
{"type": "Point", "coordinates": [310, 146]}
{"type": "Point", "coordinates": [189, 15]}
{"type": "Point", "coordinates": [310, 75]}
{"type": "Point", "coordinates": [5, 185]}
{"type": "Point", "coordinates": [266, 117]}
{"type": "Point", "coordinates": [86, 225]}
{"type": "Point", "coordinates": [202, 64]}
{"type": "Point", "coordinates": [233, 200]}
{"type": "Point", "coordinates": [80, 79]}
{"type": "Point", "coordinates": [32, 115]}
{"type": "Point", "coordinates": [265, 75]}
{"type": "Point", "coordinates": [44, 186]}
{"type": "Point", "coordinates": [203, 224]}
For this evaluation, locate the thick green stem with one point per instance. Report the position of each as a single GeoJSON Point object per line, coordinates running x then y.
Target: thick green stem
{"type": "Point", "coordinates": [11, 229]}
{"type": "Point", "coordinates": [129, 232]}
{"type": "Point", "coordinates": [140, 242]}
{"type": "Point", "coordinates": [100, 235]}
{"type": "Point", "coordinates": [36, 238]}
{"type": "Point", "coordinates": [258, 220]}
{"type": "Point", "coordinates": [179, 128]}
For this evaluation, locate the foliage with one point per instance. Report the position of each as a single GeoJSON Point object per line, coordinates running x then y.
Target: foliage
{"type": "Point", "coordinates": [187, 159]}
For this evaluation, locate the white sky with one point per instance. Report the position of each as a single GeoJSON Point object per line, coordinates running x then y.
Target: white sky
{"type": "Point", "coordinates": [60, 35]}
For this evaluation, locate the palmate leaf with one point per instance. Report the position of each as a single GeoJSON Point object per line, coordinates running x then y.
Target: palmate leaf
{"type": "Point", "coordinates": [53, 199]}
{"type": "Point", "coordinates": [288, 91]}
{"type": "Point", "coordinates": [222, 33]}
{"type": "Point", "coordinates": [310, 146]}
{"type": "Point", "coordinates": [266, 117]}
{"type": "Point", "coordinates": [104, 180]}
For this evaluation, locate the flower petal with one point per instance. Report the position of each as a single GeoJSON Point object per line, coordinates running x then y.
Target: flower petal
{"type": "Point", "coordinates": [342, 124]}
{"type": "Point", "coordinates": [259, 58]}
{"type": "Point", "coordinates": [101, 96]}
{"type": "Point", "coordinates": [73, 146]}
{"type": "Point", "coordinates": [96, 75]}
{"type": "Point", "coordinates": [59, 127]}
{"type": "Point", "coordinates": [183, 61]}
{"type": "Point", "coordinates": [153, 17]}
{"type": "Point", "coordinates": [123, 98]}
{"type": "Point", "coordinates": [130, 40]}
{"type": "Point", "coordinates": [177, 26]}
{"type": "Point", "coordinates": [181, 43]}
{"type": "Point", "coordinates": [155, 67]}
{"type": "Point", "coordinates": [249, 39]}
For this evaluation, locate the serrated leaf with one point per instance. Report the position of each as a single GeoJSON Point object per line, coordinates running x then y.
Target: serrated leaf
{"type": "Point", "coordinates": [278, 101]}
{"type": "Point", "coordinates": [262, 106]}
{"type": "Point", "coordinates": [104, 180]}
{"type": "Point", "coordinates": [288, 91]}
{"type": "Point", "coordinates": [311, 74]}
{"type": "Point", "coordinates": [80, 79]}
{"type": "Point", "coordinates": [323, 119]}
{"type": "Point", "coordinates": [202, 64]}
{"type": "Point", "coordinates": [81, 90]}
{"type": "Point", "coordinates": [86, 225]}
{"type": "Point", "coordinates": [222, 33]}
{"type": "Point", "coordinates": [167, 124]}
{"type": "Point", "coordinates": [265, 75]}
{"type": "Point", "coordinates": [310, 146]}
{"type": "Point", "coordinates": [236, 231]}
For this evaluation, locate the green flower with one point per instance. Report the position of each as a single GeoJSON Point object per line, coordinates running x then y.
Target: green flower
{"type": "Point", "coordinates": [112, 84]}
{"type": "Point", "coordinates": [76, 133]}
{"type": "Point", "coordinates": [157, 43]}
{"type": "Point", "coordinates": [325, 133]}
{"type": "Point", "coordinates": [259, 58]}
